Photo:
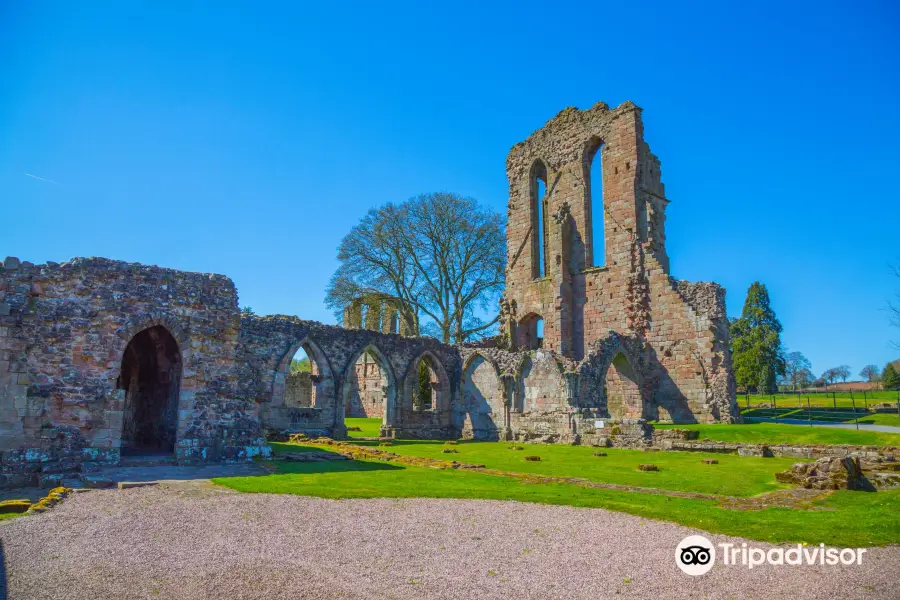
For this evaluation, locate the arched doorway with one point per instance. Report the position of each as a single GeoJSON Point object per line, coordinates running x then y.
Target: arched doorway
{"type": "Point", "coordinates": [427, 386]}
{"type": "Point", "coordinates": [368, 387]}
{"type": "Point", "coordinates": [151, 378]}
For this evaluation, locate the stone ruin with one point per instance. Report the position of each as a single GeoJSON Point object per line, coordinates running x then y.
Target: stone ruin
{"type": "Point", "coordinates": [103, 360]}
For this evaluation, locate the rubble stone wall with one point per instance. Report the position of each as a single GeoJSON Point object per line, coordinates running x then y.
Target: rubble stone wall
{"type": "Point", "coordinates": [63, 331]}
{"type": "Point", "coordinates": [298, 389]}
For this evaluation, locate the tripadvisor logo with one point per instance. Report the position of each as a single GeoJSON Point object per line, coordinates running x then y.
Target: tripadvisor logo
{"type": "Point", "coordinates": [696, 555]}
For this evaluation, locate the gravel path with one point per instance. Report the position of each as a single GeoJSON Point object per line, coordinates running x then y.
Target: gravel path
{"type": "Point", "coordinates": [197, 541]}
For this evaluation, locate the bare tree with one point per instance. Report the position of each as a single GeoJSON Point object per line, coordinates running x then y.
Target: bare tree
{"type": "Point", "coordinates": [870, 373]}
{"type": "Point", "coordinates": [842, 372]}
{"type": "Point", "coordinates": [829, 376]}
{"type": "Point", "coordinates": [442, 255]}
{"type": "Point", "coordinates": [795, 365]}
{"type": "Point", "coordinates": [805, 378]}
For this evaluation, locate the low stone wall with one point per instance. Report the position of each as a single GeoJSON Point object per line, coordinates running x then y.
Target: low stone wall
{"type": "Point", "coordinates": [788, 450]}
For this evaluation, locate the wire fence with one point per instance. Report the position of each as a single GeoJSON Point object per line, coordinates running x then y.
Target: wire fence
{"type": "Point", "coordinates": [867, 408]}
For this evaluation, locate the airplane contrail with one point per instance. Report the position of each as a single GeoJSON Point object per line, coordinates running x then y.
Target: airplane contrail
{"type": "Point", "coordinates": [42, 179]}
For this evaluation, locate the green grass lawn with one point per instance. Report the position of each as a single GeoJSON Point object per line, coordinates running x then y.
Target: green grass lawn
{"type": "Point", "coordinates": [846, 518]}
{"type": "Point", "coordinates": [775, 433]}
{"type": "Point", "coordinates": [682, 471]}
{"type": "Point", "coordinates": [839, 399]}
{"type": "Point", "coordinates": [370, 427]}
{"type": "Point", "coordinates": [842, 519]}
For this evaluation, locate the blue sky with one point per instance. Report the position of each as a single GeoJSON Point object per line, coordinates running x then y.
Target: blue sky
{"type": "Point", "coordinates": [248, 139]}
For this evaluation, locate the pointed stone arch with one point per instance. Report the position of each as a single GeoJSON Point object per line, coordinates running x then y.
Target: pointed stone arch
{"type": "Point", "coordinates": [482, 411]}
{"type": "Point", "coordinates": [539, 210]}
{"type": "Point", "coordinates": [117, 402]}
{"type": "Point", "coordinates": [322, 377]}
{"type": "Point", "coordinates": [529, 332]}
{"type": "Point", "coordinates": [440, 383]}
{"type": "Point", "coordinates": [612, 377]}
{"type": "Point", "coordinates": [389, 387]}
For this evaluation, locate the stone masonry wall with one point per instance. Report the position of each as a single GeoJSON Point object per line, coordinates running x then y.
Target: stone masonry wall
{"type": "Point", "coordinates": [63, 331]}
{"type": "Point", "coordinates": [298, 389]}
{"type": "Point", "coordinates": [682, 358]}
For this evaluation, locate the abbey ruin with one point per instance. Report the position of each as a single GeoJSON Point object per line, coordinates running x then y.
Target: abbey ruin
{"type": "Point", "coordinates": [101, 360]}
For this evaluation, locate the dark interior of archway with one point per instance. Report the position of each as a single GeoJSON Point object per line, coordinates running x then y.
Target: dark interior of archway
{"type": "Point", "coordinates": [151, 378]}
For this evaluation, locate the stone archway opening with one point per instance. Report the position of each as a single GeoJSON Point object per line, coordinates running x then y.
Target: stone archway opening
{"type": "Point", "coordinates": [427, 388]}
{"type": "Point", "coordinates": [302, 380]}
{"type": "Point", "coordinates": [530, 332]}
{"type": "Point", "coordinates": [623, 393]}
{"type": "Point", "coordinates": [151, 378]}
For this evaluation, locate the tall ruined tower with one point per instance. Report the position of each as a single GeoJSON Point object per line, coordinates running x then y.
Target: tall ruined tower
{"type": "Point", "coordinates": [555, 283]}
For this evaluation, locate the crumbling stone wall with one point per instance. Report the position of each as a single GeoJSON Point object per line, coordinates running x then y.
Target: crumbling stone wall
{"type": "Point", "coordinates": [298, 389]}
{"type": "Point", "coordinates": [481, 412]}
{"type": "Point", "coordinates": [540, 396]}
{"type": "Point", "coordinates": [680, 357]}
{"type": "Point", "coordinates": [63, 332]}
{"type": "Point", "coordinates": [267, 343]}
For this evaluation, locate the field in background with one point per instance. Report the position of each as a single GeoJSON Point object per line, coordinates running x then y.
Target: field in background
{"type": "Point", "coordinates": [833, 407]}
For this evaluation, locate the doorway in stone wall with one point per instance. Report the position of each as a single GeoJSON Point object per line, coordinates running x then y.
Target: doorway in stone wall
{"type": "Point", "coordinates": [151, 378]}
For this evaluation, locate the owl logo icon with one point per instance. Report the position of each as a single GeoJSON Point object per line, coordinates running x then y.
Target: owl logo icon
{"type": "Point", "coordinates": [695, 555]}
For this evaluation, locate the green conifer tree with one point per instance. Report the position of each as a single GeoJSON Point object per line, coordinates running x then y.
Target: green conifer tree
{"type": "Point", "coordinates": [756, 343]}
{"type": "Point", "coordinates": [890, 377]}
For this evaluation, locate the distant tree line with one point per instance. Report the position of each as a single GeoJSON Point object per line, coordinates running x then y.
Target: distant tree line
{"type": "Point", "coordinates": [762, 364]}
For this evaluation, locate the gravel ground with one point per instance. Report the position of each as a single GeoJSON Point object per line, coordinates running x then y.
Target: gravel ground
{"type": "Point", "coordinates": [197, 541]}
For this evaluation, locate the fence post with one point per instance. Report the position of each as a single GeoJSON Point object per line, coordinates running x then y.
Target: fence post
{"type": "Point", "coordinates": [808, 411]}
{"type": "Point", "coordinates": [855, 418]}
{"type": "Point", "coordinates": [775, 406]}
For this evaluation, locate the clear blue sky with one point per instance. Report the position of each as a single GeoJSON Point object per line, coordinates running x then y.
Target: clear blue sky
{"type": "Point", "coordinates": [247, 139]}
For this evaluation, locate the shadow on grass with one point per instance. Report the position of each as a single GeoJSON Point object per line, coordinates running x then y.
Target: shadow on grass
{"type": "Point", "coordinates": [333, 466]}
{"type": "Point", "coordinates": [395, 443]}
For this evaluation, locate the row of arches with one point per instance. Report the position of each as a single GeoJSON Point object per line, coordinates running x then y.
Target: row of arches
{"type": "Point", "coordinates": [593, 236]}
{"type": "Point", "coordinates": [368, 385]}
{"type": "Point", "coordinates": [539, 385]}
{"type": "Point", "coordinates": [152, 367]}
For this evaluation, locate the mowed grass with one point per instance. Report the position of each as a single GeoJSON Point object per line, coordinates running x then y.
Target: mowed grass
{"type": "Point", "coordinates": [775, 433]}
{"type": "Point", "coordinates": [842, 519]}
{"type": "Point", "coordinates": [682, 471]}
{"type": "Point", "coordinates": [837, 399]}
{"type": "Point", "coordinates": [369, 427]}
{"type": "Point", "coordinates": [845, 519]}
